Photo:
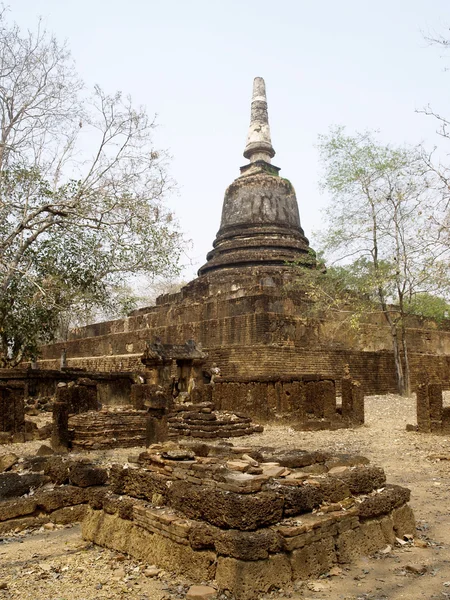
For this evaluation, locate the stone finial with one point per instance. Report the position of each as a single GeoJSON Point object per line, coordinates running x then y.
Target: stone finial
{"type": "Point", "coordinates": [259, 144]}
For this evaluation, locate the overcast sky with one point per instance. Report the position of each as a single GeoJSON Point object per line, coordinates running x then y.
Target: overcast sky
{"type": "Point", "coordinates": [356, 63]}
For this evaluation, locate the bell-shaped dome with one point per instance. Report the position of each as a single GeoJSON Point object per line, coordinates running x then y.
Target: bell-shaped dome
{"type": "Point", "coordinates": [260, 219]}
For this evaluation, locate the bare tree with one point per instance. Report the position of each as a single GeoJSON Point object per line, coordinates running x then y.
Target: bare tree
{"type": "Point", "coordinates": [384, 229]}
{"type": "Point", "coordinates": [78, 175]}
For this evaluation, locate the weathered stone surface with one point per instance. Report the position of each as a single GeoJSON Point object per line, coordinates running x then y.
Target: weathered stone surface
{"type": "Point", "coordinates": [387, 528]}
{"type": "Point", "coordinates": [34, 463]}
{"type": "Point", "coordinates": [60, 420]}
{"type": "Point", "coordinates": [300, 499]}
{"type": "Point", "coordinates": [373, 536]}
{"type": "Point", "coordinates": [313, 559]}
{"type": "Point", "coordinates": [204, 423]}
{"type": "Point", "coordinates": [22, 523]}
{"type": "Point", "coordinates": [57, 468]}
{"type": "Point", "coordinates": [13, 484]}
{"type": "Point", "coordinates": [163, 522]}
{"type": "Point", "coordinates": [247, 545]}
{"type": "Point", "coordinates": [381, 503]}
{"type": "Point", "coordinates": [334, 489]}
{"type": "Point", "coordinates": [87, 475]}
{"type": "Point", "coordinates": [349, 545]}
{"type": "Point", "coordinates": [225, 509]}
{"type": "Point", "coordinates": [248, 579]}
{"type": "Point", "coordinates": [7, 461]}
{"type": "Point", "coordinates": [403, 521]}
{"type": "Point", "coordinates": [423, 408]}
{"type": "Point", "coordinates": [5, 437]}
{"type": "Point", "coordinates": [432, 416]}
{"type": "Point", "coordinates": [138, 483]}
{"type": "Point", "coordinates": [50, 500]}
{"type": "Point", "coordinates": [346, 460]}
{"type": "Point", "coordinates": [298, 458]}
{"type": "Point", "coordinates": [178, 454]}
{"type": "Point", "coordinates": [363, 480]}
{"type": "Point", "coordinates": [44, 450]}
{"type": "Point", "coordinates": [11, 509]}
{"type": "Point", "coordinates": [202, 536]}
{"type": "Point", "coordinates": [120, 505]}
{"type": "Point", "coordinates": [96, 496]}
{"type": "Point", "coordinates": [116, 427]}
{"type": "Point", "coordinates": [12, 414]}
{"type": "Point", "coordinates": [69, 514]}
{"type": "Point", "coordinates": [113, 532]}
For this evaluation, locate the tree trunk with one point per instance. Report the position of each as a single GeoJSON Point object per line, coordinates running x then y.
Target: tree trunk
{"type": "Point", "coordinates": [407, 372]}
{"type": "Point", "coordinates": [398, 362]}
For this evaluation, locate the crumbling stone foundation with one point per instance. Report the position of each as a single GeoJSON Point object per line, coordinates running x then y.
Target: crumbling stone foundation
{"type": "Point", "coordinates": [252, 520]}
{"type": "Point", "coordinates": [308, 402]}
{"type": "Point", "coordinates": [47, 489]}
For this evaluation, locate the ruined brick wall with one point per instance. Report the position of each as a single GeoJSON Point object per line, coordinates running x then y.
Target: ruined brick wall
{"type": "Point", "coordinates": [375, 370]}
{"type": "Point", "coordinates": [256, 333]}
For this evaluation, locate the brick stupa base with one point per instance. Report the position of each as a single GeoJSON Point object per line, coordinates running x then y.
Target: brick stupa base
{"type": "Point", "coordinates": [126, 427]}
{"type": "Point", "coordinates": [250, 520]}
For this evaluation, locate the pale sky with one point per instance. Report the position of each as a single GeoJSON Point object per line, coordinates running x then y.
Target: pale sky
{"type": "Point", "coordinates": [356, 63]}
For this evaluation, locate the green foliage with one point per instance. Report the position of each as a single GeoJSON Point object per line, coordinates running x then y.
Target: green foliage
{"type": "Point", "coordinates": [383, 230]}
{"type": "Point", "coordinates": [429, 306]}
{"type": "Point", "coordinates": [81, 196]}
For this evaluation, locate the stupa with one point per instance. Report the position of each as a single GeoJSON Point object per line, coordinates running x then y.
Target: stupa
{"type": "Point", "coordinates": [260, 225]}
{"type": "Point", "coordinates": [244, 311]}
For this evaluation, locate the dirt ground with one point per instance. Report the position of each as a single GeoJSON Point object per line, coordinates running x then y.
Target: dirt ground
{"type": "Point", "coordinates": [58, 565]}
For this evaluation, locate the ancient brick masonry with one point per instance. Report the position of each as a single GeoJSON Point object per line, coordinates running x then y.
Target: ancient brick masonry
{"type": "Point", "coordinates": [307, 403]}
{"type": "Point", "coordinates": [432, 416]}
{"type": "Point", "coordinates": [155, 415]}
{"type": "Point", "coordinates": [126, 427]}
{"type": "Point", "coordinates": [61, 488]}
{"type": "Point", "coordinates": [202, 421]}
{"type": "Point", "coordinates": [247, 307]}
{"type": "Point", "coordinates": [116, 427]}
{"type": "Point", "coordinates": [252, 520]}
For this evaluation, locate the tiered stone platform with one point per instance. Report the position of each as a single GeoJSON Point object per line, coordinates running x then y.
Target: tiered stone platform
{"type": "Point", "coordinates": [112, 428]}
{"type": "Point", "coordinates": [125, 427]}
{"type": "Point", "coordinates": [203, 421]}
{"type": "Point", "coordinates": [250, 519]}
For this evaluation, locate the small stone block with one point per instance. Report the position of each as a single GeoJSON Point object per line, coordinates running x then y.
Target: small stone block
{"type": "Point", "coordinates": [201, 592]}
{"type": "Point", "coordinates": [237, 465]}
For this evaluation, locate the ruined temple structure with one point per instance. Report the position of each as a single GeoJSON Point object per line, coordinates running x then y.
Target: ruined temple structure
{"type": "Point", "coordinates": [432, 415]}
{"type": "Point", "coordinates": [251, 520]}
{"type": "Point", "coordinates": [172, 400]}
{"type": "Point", "coordinates": [247, 310]}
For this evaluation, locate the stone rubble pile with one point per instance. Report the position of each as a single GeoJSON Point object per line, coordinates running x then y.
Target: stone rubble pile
{"type": "Point", "coordinates": [46, 489]}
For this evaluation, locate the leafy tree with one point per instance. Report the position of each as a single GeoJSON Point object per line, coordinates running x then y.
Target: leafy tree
{"type": "Point", "coordinates": [383, 229]}
{"type": "Point", "coordinates": [81, 193]}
